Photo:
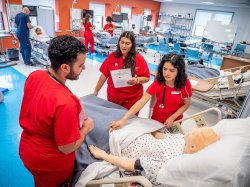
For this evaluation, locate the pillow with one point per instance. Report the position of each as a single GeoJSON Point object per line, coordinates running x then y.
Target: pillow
{"type": "Point", "coordinates": [224, 163]}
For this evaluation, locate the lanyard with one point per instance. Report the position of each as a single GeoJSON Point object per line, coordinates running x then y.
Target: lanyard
{"type": "Point", "coordinates": [57, 80]}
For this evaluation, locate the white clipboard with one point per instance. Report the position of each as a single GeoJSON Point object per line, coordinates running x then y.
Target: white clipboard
{"type": "Point", "coordinates": [120, 77]}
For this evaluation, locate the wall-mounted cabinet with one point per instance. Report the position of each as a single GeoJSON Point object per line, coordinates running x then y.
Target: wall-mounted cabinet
{"type": "Point", "coordinates": [175, 25]}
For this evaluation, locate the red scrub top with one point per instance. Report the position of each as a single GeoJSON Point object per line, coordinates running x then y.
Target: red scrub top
{"type": "Point", "coordinates": [49, 117]}
{"type": "Point", "coordinates": [130, 92]}
{"type": "Point", "coordinates": [88, 31]}
{"type": "Point", "coordinates": [109, 26]}
{"type": "Point", "coordinates": [173, 100]}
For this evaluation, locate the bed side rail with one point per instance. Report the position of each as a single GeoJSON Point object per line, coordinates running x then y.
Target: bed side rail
{"type": "Point", "coordinates": [199, 119]}
{"type": "Point", "coordinates": [120, 181]}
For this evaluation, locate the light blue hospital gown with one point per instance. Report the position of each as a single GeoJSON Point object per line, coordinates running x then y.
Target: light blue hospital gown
{"type": "Point", "coordinates": [154, 153]}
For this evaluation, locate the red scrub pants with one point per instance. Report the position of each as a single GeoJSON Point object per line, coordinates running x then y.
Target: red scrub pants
{"type": "Point", "coordinates": [89, 39]}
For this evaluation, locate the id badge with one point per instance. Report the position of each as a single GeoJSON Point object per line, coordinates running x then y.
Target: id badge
{"type": "Point", "coordinates": [175, 92]}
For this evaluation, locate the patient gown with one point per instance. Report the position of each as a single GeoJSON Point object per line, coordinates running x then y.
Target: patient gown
{"type": "Point", "coordinates": [154, 153]}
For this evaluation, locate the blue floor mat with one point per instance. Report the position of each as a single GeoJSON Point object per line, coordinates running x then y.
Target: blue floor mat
{"type": "Point", "coordinates": [12, 170]}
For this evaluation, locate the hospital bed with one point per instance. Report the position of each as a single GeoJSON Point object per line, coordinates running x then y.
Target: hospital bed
{"type": "Point", "coordinates": [39, 47]}
{"type": "Point", "coordinates": [216, 165]}
{"type": "Point", "coordinates": [104, 43]}
{"type": "Point", "coordinates": [142, 42]}
{"type": "Point", "coordinates": [229, 90]}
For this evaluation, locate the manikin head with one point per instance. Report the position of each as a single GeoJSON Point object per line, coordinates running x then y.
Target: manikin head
{"type": "Point", "coordinates": [38, 31]}
{"type": "Point", "coordinates": [199, 138]}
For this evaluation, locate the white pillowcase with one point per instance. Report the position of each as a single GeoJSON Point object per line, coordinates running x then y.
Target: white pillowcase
{"type": "Point", "coordinates": [224, 163]}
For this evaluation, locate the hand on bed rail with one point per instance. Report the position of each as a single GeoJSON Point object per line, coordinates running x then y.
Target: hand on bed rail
{"type": "Point", "coordinates": [169, 122]}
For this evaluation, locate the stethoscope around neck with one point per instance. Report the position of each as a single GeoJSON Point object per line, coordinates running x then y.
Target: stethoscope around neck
{"type": "Point", "coordinates": [163, 97]}
{"type": "Point", "coordinates": [164, 94]}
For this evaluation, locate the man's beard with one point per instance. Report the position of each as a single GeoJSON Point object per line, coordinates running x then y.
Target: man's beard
{"type": "Point", "coordinates": [72, 75]}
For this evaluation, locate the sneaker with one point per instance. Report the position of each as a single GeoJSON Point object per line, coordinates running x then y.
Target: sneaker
{"type": "Point", "coordinates": [31, 64]}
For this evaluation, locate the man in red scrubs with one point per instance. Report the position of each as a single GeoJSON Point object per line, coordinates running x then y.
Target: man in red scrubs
{"type": "Point", "coordinates": [54, 124]}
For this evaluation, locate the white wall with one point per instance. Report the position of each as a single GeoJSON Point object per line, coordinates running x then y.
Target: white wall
{"type": "Point", "coordinates": [49, 3]}
{"type": "Point", "coordinates": [241, 16]}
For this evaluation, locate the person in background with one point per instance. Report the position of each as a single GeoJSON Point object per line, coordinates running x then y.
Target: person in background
{"type": "Point", "coordinates": [52, 118]}
{"type": "Point", "coordinates": [150, 152]}
{"type": "Point", "coordinates": [109, 27]}
{"type": "Point", "coordinates": [124, 57]}
{"type": "Point", "coordinates": [22, 22]}
{"type": "Point", "coordinates": [172, 90]}
{"type": "Point", "coordinates": [134, 30]}
{"type": "Point", "coordinates": [88, 35]}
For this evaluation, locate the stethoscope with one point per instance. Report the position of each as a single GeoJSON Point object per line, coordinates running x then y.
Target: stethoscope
{"type": "Point", "coordinates": [164, 93]}
{"type": "Point", "coordinates": [57, 80]}
{"type": "Point", "coordinates": [163, 97]}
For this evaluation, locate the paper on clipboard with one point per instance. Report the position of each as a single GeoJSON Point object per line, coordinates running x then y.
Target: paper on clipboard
{"type": "Point", "coordinates": [120, 77]}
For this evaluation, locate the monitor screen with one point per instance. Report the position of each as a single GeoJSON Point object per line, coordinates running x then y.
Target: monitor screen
{"type": "Point", "coordinates": [85, 11]}
{"type": "Point", "coordinates": [124, 16]}
{"type": "Point", "coordinates": [33, 11]}
{"type": "Point", "coordinates": [117, 18]}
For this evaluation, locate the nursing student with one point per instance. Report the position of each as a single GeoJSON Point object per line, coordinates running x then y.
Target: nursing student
{"type": "Point", "coordinates": [52, 118]}
{"type": "Point", "coordinates": [109, 27]}
{"type": "Point", "coordinates": [125, 57]}
{"type": "Point", "coordinates": [88, 35]}
{"type": "Point", "coordinates": [172, 90]}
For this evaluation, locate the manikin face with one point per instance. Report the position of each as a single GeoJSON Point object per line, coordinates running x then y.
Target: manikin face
{"type": "Point", "coordinates": [190, 147]}
{"type": "Point", "coordinates": [169, 72]}
{"type": "Point", "coordinates": [199, 138]}
{"type": "Point", "coordinates": [77, 67]}
{"type": "Point", "coordinates": [125, 45]}
{"type": "Point", "coordinates": [39, 31]}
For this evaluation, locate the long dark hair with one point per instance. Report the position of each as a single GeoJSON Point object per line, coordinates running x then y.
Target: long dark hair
{"type": "Point", "coordinates": [87, 17]}
{"type": "Point", "coordinates": [178, 62]}
{"type": "Point", "coordinates": [129, 61]}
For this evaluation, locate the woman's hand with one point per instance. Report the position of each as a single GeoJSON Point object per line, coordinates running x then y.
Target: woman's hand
{"type": "Point", "coordinates": [114, 125]}
{"type": "Point", "coordinates": [95, 93]}
{"type": "Point", "coordinates": [133, 80]}
{"type": "Point", "coordinates": [169, 122]}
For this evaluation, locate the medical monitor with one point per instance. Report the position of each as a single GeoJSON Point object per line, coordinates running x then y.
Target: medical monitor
{"type": "Point", "coordinates": [124, 16]}
{"type": "Point", "coordinates": [85, 12]}
{"type": "Point", "coordinates": [33, 10]}
{"type": "Point", "coordinates": [117, 18]}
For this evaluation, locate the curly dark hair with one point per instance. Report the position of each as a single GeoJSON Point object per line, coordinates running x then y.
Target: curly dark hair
{"type": "Point", "coordinates": [109, 19]}
{"type": "Point", "coordinates": [178, 62]}
{"type": "Point", "coordinates": [64, 50]}
{"type": "Point", "coordinates": [129, 61]}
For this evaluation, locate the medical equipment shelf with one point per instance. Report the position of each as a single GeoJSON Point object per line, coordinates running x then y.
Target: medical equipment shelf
{"type": "Point", "coordinates": [180, 26]}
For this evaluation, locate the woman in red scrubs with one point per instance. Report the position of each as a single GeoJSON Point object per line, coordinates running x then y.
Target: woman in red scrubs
{"type": "Point", "coordinates": [125, 57]}
{"type": "Point", "coordinates": [109, 27]}
{"type": "Point", "coordinates": [88, 35]}
{"type": "Point", "coordinates": [172, 90]}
